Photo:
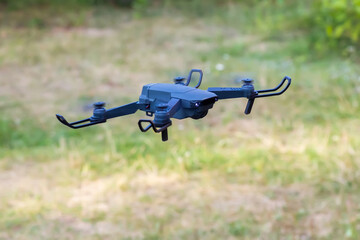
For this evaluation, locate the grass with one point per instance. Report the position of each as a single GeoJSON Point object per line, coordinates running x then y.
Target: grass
{"type": "Point", "coordinates": [290, 170]}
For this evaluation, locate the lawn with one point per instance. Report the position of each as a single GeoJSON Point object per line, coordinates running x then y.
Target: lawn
{"type": "Point", "coordinates": [290, 170]}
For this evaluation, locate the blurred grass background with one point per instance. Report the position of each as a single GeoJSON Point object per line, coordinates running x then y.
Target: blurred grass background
{"type": "Point", "coordinates": [290, 170]}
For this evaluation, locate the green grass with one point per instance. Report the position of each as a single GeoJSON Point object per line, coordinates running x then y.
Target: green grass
{"type": "Point", "coordinates": [289, 170]}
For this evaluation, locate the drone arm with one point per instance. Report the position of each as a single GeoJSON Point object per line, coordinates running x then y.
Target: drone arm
{"type": "Point", "coordinates": [122, 110]}
{"type": "Point", "coordinates": [100, 115]}
{"type": "Point", "coordinates": [248, 91]}
{"type": "Point", "coordinates": [174, 105]}
{"type": "Point", "coordinates": [225, 93]}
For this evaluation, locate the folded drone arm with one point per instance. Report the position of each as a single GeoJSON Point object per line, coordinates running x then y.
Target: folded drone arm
{"type": "Point", "coordinates": [248, 91]}
{"type": "Point", "coordinates": [122, 110]}
{"type": "Point", "coordinates": [225, 93]}
{"type": "Point", "coordinates": [100, 115]}
{"type": "Point", "coordinates": [173, 106]}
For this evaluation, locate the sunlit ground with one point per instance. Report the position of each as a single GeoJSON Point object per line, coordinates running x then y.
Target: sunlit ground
{"type": "Point", "coordinates": [290, 170]}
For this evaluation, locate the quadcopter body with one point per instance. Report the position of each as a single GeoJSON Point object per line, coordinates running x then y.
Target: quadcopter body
{"type": "Point", "coordinates": [164, 101]}
{"type": "Point", "coordinates": [195, 102]}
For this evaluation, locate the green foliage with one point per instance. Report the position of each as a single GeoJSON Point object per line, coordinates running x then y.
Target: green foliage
{"type": "Point", "coordinates": [336, 24]}
{"type": "Point", "coordinates": [326, 24]}
{"type": "Point", "coordinates": [22, 4]}
{"type": "Point", "coordinates": [140, 7]}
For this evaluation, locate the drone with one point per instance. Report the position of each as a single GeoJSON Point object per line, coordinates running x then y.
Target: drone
{"type": "Point", "coordinates": [179, 100]}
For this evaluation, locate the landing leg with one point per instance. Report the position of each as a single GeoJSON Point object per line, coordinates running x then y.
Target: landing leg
{"type": "Point", "coordinates": [164, 135]}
